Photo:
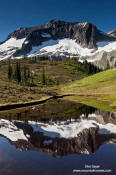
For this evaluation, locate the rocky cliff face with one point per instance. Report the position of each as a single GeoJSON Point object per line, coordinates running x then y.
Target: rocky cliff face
{"type": "Point", "coordinates": [104, 59]}
{"type": "Point", "coordinates": [85, 34]}
{"type": "Point", "coordinates": [22, 41]}
{"type": "Point", "coordinates": [86, 142]}
{"type": "Point", "coordinates": [112, 33]}
{"type": "Point", "coordinates": [59, 139]}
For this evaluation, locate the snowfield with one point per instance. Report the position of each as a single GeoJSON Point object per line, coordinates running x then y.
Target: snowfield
{"type": "Point", "coordinates": [42, 46]}
{"type": "Point", "coordinates": [106, 46]}
{"type": "Point", "coordinates": [9, 47]}
{"type": "Point", "coordinates": [70, 46]}
{"type": "Point", "coordinates": [71, 129]}
{"type": "Point", "coordinates": [10, 131]}
{"type": "Point", "coordinates": [65, 129]}
{"type": "Point", "coordinates": [12, 43]}
{"type": "Point", "coordinates": [64, 47]}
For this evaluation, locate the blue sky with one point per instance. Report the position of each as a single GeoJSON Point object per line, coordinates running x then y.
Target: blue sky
{"type": "Point", "coordinates": [26, 13]}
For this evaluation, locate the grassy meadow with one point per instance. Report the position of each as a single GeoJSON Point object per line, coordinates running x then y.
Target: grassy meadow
{"type": "Point", "coordinates": [57, 74]}
{"type": "Point", "coordinates": [98, 90]}
{"type": "Point", "coordinates": [62, 78]}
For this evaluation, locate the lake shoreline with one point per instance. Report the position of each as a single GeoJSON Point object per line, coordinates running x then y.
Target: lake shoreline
{"type": "Point", "coordinates": [31, 103]}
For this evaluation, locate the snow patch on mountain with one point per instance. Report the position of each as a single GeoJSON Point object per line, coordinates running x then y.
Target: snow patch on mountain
{"type": "Point", "coordinates": [11, 43]}
{"type": "Point", "coordinates": [71, 129]}
{"type": "Point", "coordinates": [69, 47]}
{"type": "Point", "coordinates": [8, 48]}
{"type": "Point", "coordinates": [26, 42]}
{"type": "Point", "coordinates": [107, 129]}
{"type": "Point", "coordinates": [43, 45]}
{"type": "Point", "coordinates": [84, 24]}
{"type": "Point", "coordinates": [47, 35]}
{"type": "Point", "coordinates": [106, 46]}
{"type": "Point", "coordinates": [64, 129]}
{"type": "Point", "coordinates": [10, 131]}
{"type": "Point", "coordinates": [64, 45]}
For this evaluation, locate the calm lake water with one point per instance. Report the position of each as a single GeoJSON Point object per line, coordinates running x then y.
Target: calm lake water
{"type": "Point", "coordinates": [57, 138]}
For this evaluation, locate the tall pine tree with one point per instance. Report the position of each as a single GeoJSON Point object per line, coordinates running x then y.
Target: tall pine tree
{"type": "Point", "coordinates": [43, 77]}
{"type": "Point", "coordinates": [17, 73]}
{"type": "Point", "coordinates": [9, 71]}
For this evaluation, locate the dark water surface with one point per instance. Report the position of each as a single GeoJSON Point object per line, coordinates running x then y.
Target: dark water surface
{"type": "Point", "coordinates": [57, 138]}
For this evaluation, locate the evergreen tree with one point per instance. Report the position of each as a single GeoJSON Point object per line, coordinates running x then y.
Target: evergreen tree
{"type": "Point", "coordinates": [108, 66]}
{"type": "Point", "coordinates": [17, 73]}
{"type": "Point", "coordinates": [9, 71]}
{"type": "Point", "coordinates": [28, 73]}
{"type": "Point", "coordinates": [32, 80]}
{"type": "Point", "coordinates": [115, 65]}
{"type": "Point", "coordinates": [25, 74]}
{"type": "Point", "coordinates": [43, 77]}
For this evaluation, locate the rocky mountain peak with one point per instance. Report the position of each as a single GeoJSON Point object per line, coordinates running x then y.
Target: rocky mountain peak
{"type": "Point", "coordinates": [112, 33]}
{"type": "Point", "coordinates": [84, 34]}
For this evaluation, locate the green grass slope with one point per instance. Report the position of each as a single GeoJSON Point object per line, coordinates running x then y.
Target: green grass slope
{"type": "Point", "coordinates": [98, 89]}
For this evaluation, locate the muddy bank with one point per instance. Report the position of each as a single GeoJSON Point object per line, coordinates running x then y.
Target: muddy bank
{"type": "Point", "coordinates": [19, 105]}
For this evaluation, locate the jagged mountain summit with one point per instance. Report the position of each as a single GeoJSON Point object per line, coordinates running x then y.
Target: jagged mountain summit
{"type": "Point", "coordinates": [112, 33]}
{"type": "Point", "coordinates": [57, 39]}
{"type": "Point", "coordinates": [59, 138]}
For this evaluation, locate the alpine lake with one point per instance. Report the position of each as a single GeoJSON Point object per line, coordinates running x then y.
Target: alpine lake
{"type": "Point", "coordinates": [57, 138]}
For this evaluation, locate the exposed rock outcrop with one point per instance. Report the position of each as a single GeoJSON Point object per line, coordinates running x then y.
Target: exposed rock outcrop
{"type": "Point", "coordinates": [30, 136]}
{"type": "Point", "coordinates": [85, 34]}
{"type": "Point", "coordinates": [112, 33]}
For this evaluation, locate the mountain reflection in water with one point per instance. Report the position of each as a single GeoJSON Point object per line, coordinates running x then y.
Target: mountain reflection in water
{"type": "Point", "coordinates": [62, 136]}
